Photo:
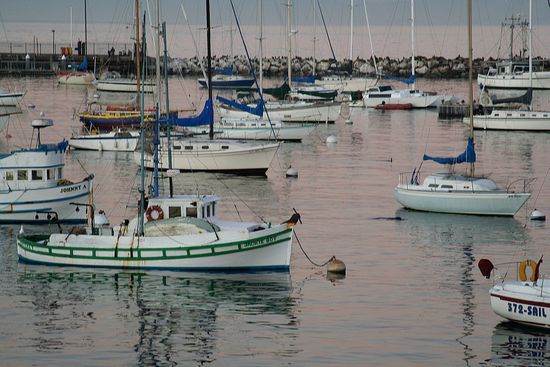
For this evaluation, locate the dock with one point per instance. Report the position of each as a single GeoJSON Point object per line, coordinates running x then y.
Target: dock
{"type": "Point", "coordinates": [455, 110]}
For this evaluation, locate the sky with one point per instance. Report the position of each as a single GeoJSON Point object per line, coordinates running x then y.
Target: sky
{"type": "Point", "coordinates": [336, 12]}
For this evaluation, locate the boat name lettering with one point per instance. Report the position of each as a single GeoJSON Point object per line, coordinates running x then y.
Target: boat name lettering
{"type": "Point", "coordinates": [69, 189]}
{"type": "Point", "coordinates": [259, 242]}
{"type": "Point", "coordinates": [526, 310]}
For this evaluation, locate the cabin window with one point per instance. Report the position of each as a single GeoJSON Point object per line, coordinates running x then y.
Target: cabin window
{"type": "Point", "coordinates": [174, 211]}
{"type": "Point", "coordinates": [202, 212]}
{"type": "Point", "coordinates": [496, 115]}
{"type": "Point", "coordinates": [188, 147]}
{"type": "Point", "coordinates": [191, 212]}
{"type": "Point", "coordinates": [22, 175]}
{"type": "Point", "coordinates": [205, 147]}
{"type": "Point", "coordinates": [59, 173]}
{"type": "Point", "coordinates": [37, 175]}
{"type": "Point", "coordinates": [508, 114]}
{"type": "Point", "coordinates": [208, 211]}
{"type": "Point", "coordinates": [225, 146]}
{"type": "Point", "coordinates": [522, 114]}
{"type": "Point", "coordinates": [9, 176]}
{"type": "Point", "coordinates": [50, 174]}
{"type": "Point", "coordinates": [433, 185]}
{"type": "Point", "coordinates": [545, 115]}
{"type": "Point", "coordinates": [213, 209]}
{"type": "Point", "coordinates": [241, 124]}
{"type": "Point", "coordinates": [466, 187]}
{"type": "Point", "coordinates": [177, 147]}
{"type": "Point", "coordinates": [446, 186]}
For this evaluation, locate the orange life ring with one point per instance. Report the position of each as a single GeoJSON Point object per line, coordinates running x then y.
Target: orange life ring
{"type": "Point", "coordinates": [154, 213]}
{"type": "Point", "coordinates": [523, 266]}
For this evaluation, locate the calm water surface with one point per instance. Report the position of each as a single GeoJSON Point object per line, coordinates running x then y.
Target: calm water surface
{"type": "Point", "coordinates": [412, 297]}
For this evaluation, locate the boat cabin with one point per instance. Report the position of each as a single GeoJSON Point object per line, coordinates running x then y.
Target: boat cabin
{"type": "Point", "coordinates": [451, 182]}
{"type": "Point", "coordinates": [190, 206]}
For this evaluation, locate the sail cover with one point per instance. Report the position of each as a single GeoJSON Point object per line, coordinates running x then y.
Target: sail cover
{"type": "Point", "coordinates": [258, 110]}
{"type": "Point", "coordinates": [407, 81]}
{"type": "Point", "coordinates": [468, 156]}
{"type": "Point", "coordinates": [84, 65]}
{"type": "Point", "coordinates": [206, 117]}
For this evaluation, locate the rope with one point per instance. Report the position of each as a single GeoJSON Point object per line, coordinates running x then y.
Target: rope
{"type": "Point", "coordinates": [540, 189]}
{"type": "Point", "coordinates": [306, 255]}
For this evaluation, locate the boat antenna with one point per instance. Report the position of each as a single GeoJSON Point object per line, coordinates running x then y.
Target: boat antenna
{"type": "Point", "coordinates": [141, 219]}
{"type": "Point", "coordinates": [137, 55]}
{"type": "Point", "coordinates": [209, 64]}
{"type": "Point", "coordinates": [470, 78]}
{"type": "Point", "coordinates": [531, 50]}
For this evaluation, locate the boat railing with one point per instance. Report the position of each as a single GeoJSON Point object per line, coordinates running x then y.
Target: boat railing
{"type": "Point", "coordinates": [407, 178]}
{"type": "Point", "coordinates": [521, 185]}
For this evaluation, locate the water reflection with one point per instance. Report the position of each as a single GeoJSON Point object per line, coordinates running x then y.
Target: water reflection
{"type": "Point", "coordinates": [512, 345]}
{"type": "Point", "coordinates": [165, 318]}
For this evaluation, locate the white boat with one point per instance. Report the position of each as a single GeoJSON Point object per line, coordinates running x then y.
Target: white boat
{"type": "Point", "coordinates": [119, 141]}
{"type": "Point", "coordinates": [513, 120]}
{"type": "Point", "coordinates": [246, 129]}
{"type": "Point", "coordinates": [75, 77]}
{"type": "Point", "coordinates": [298, 111]}
{"type": "Point", "coordinates": [385, 94]}
{"type": "Point", "coordinates": [169, 233]}
{"type": "Point", "coordinates": [513, 75]}
{"type": "Point", "coordinates": [525, 298]}
{"type": "Point", "coordinates": [33, 188]}
{"type": "Point", "coordinates": [460, 194]}
{"type": "Point", "coordinates": [123, 85]}
{"type": "Point", "coordinates": [213, 156]}
{"type": "Point", "coordinates": [228, 81]}
{"type": "Point", "coordinates": [517, 119]}
{"type": "Point", "coordinates": [346, 83]}
{"type": "Point", "coordinates": [11, 99]}
{"type": "Point", "coordinates": [311, 92]}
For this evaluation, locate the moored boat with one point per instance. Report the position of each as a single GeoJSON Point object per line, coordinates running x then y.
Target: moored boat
{"type": "Point", "coordinates": [394, 106]}
{"type": "Point", "coordinates": [11, 98]}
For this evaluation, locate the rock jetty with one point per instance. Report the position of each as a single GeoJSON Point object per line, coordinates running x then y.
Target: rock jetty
{"type": "Point", "coordinates": [435, 67]}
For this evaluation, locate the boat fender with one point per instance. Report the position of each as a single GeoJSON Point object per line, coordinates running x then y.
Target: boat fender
{"type": "Point", "coordinates": [523, 267]}
{"type": "Point", "coordinates": [154, 213]}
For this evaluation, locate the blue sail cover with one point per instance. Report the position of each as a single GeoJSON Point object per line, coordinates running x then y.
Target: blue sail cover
{"type": "Point", "coordinates": [258, 110]}
{"type": "Point", "coordinates": [407, 81]}
{"type": "Point", "coordinates": [84, 65]}
{"type": "Point", "coordinates": [206, 117]}
{"type": "Point", "coordinates": [304, 79]}
{"type": "Point", "coordinates": [223, 71]}
{"type": "Point", "coordinates": [469, 156]}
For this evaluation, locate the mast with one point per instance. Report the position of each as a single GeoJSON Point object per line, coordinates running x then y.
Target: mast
{"type": "Point", "coordinates": [470, 79]}
{"type": "Point", "coordinates": [412, 42]}
{"type": "Point", "coordinates": [261, 8]}
{"type": "Point", "coordinates": [351, 32]}
{"type": "Point", "coordinates": [138, 57]}
{"type": "Point", "coordinates": [141, 217]}
{"type": "Point", "coordinates": [71, 30]}
{"type": "Point", "coordinates": [370, 39]}
{"type": "Point", "coordinates": [209, 64]}
{"type": "Point", "coordinates": [314, 36]}
{"type": "Point", "coordinates": [167, 104]}
{"type": "Point", "coordinates": [289, 30]}
{"type": "Point", "coordinates": [531, 49]}
{"type": "Point", "coordinates": [157, 63]}
{"type": "Point", "coordinates": [85, 30]}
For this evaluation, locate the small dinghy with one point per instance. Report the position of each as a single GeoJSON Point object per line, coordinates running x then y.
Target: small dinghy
{"type": "Point", "coordinates": [394, 106]}
{"type": "Point", "coordinates": [525, 300]}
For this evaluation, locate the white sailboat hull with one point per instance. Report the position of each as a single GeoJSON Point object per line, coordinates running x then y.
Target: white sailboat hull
{"type": "Point", "coordinates": [426, 101]}
{"type": "Point", "coordinates": [105, 142]}
{"type": "Point", "coordinates": [522, 302]}
{"type": "Point", "coordinates": [346, 84]}
{"type": "Point", "coordinates": [264, 249]}
{"type": "Point", "coordinates": [541, 80]}
{"type": "Point", "coordinates": [215, 157]}
{"type": "Point", "coordinates": [75, 78]}
{"type": "Point", "coordinates": [512, 120]}
{"type": "Point", "coordinates": [289, 133]}
{"type": "Point", "coordinates": [120, 85]}
{"type": "Point", "coordinates": [467, 202]}
{"type": "Point", "coordinates": [300, 112]}
{"type": "Point", "coordinates": [11, 99]}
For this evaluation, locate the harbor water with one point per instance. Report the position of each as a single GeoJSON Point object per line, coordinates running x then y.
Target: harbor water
{"type": "Point", "coordinates": [412, 295]}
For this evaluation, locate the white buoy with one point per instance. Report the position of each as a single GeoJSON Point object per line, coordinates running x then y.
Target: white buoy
{"type": "Point", "coordinates": [31, 105]}
{"type": "Point", "coordinates": [349, 122]}
{"type": "Point", "coordinates": [332, 139]}
{"type": "Point", "coordinates": [291, 172]}
{"type": "Point", "coordinates": [96, 96]}
{"type": "Point", "coordinates": [336, 266]}
{"type": "Point", "coordinates": [538, 215]}
{"type": "Point", "coordinates": [21, 231]}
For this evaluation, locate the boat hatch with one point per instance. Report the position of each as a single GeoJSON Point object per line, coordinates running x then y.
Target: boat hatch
{"type": "Point", "coordinates": [435, 186]}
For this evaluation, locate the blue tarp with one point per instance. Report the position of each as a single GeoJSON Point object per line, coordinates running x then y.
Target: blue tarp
{"type": "Point", "coordinates": [223, 71]}
{"type": "Point", "coordinates": [84, 65]}
{"type": "Point", "coordinates": [469, 156]}
{"type": "Point", "coordinates": [258, 110]}
{"type": "Point", "coordinates": [304, 79]}
{"type": "Point", "coordinates": [206, 117]}
{"type": "Point", "coordinates": [407, 81]}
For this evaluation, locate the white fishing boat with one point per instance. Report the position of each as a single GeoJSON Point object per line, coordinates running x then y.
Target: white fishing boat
{"type": "Point", "coordinates": [514, 75]}
{"type": "Point", "coordinates": [123, 85]}
{"type": "Point", "coordinates": [517, 119]}
{"type": "Point", "coordinates": [461, 194]}
{"type": "Point", "coordinates": [525, 298]}
{"type": "Point", "coordinates": [169, 233]}
{"type": "Point", "coordinates": [245, 129]}
{"type": "Point", "coordinates": [11, 98]}
{"type": "Point", "coordinates": [33, 188]}
{"type": "Point", "coordinates": [119, 140]}
{"type": "Point", "coordinates": [385, 94]}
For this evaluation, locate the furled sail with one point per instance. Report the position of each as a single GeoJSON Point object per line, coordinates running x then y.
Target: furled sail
{"type": "Point", "coordinates": [407, 81]}
{"type": "Point", "coordinates": [468, 156]}
{"type": "Point", "coordinates": [258, 110]}
{"type": "Point", "coordinates": [206, 117]}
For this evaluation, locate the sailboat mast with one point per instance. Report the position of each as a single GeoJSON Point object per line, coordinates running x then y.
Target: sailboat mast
{"type": "Point", "coordinates": [157, 63]}
{"type": "Point", "coordinates": [138, 56]}
{"type": "Point", "coordinates": [167, 104]}
{"type": "Point", "coordinates": [141, 217]}
{"type": "Point", "coordinates": [261, 8]}
{"type": "Point", "coordinates": [314, 36]}
{"type": "Point", "coordinates": [531, 49]}
{"type": "Point", "coordinates": [289, 30]}
{"type": "Point", "coordinates": [209, 64]}
{"type": "Point", "coordinates": [351, 32]}
{"type": "Point", "coordinates": [413, 64]}
{"type": "Point", "coordinates": [470, 79]}
{"type": "Point", "coordinates": [85, 29]}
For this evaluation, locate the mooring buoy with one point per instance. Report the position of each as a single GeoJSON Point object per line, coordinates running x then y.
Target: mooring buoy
{"type": "Point", "coordinates": [332, 139]}
{"type": "Point", "coordinates": [336, 266]}
{"type": "Point", "coordinates": [538, 215]}
{"type": "Point", "coordinates": [291, 172]}
{"type": "Point", "coordinates": [349, 122]}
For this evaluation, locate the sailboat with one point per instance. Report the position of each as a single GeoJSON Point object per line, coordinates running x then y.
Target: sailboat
{"type": "Point", "coordinates": [517, 119]}
{"type": "Point", "coordinates": [80, 74]}
{"type": "Point", "coordinates": [179, 232]}
{"type": "Point", "coordinates": [459, 194]}
{"type": "Point", "coordinates": [386, 95]}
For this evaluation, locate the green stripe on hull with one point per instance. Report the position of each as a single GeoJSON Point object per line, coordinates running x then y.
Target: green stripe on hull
{"type": "Point", "coordinates": [30, 244]}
